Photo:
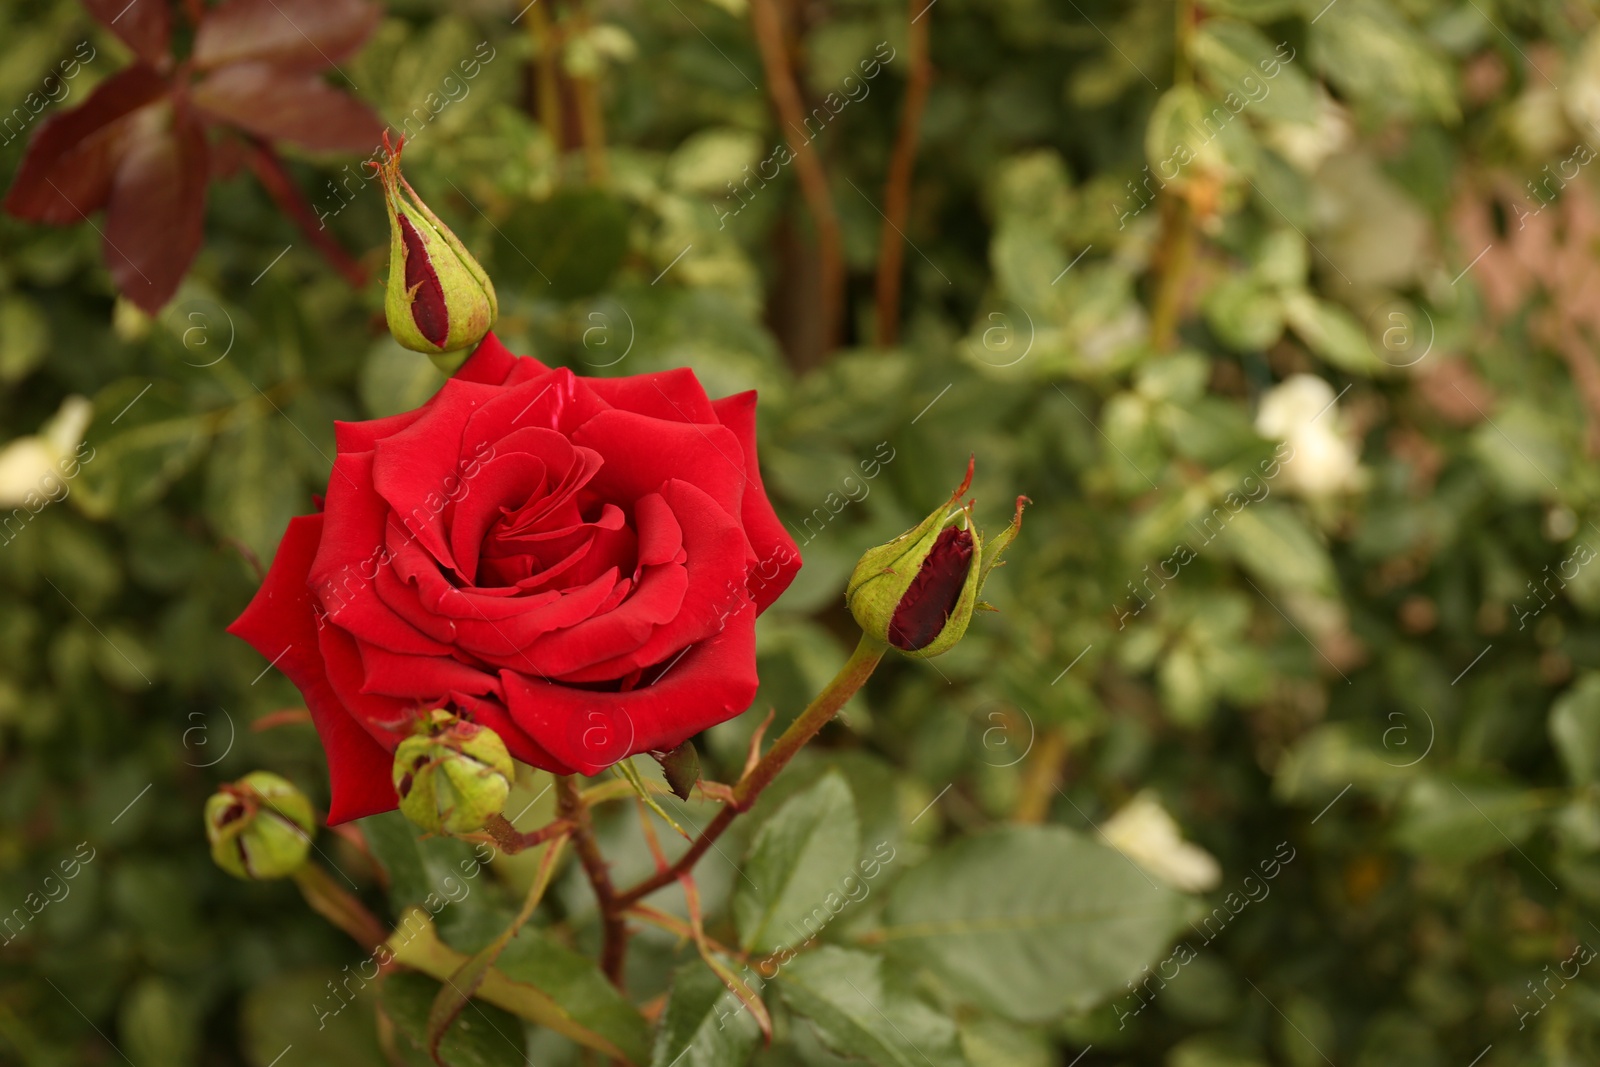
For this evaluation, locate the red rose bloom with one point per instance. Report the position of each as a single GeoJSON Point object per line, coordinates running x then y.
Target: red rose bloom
{"type": "Point", "coordinates": [576, 563]}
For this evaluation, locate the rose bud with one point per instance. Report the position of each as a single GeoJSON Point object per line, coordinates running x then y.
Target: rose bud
{"type": "Point", "coordinates": [918, 592]}
{"type": "Point", "coordinates": [439, 299]}
{"type": "Point", "coordinates": [452, 774]}
{"type": "Point", "coordinates": [259, 827]}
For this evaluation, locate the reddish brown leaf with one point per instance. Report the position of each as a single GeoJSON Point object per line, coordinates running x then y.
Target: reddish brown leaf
{"type": "Point", "coordinates": [298, 34]}
{"type": "Point", "coordinates": [143, 25]}
{"type": "Point", "coordinates": [156, 209]}
{"type": "Point", "coordinates": [290, 106]}
{"type": "Point", "coordinates": [66, 173]}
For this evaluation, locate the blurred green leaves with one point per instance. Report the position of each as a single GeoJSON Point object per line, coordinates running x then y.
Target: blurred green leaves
{"type": "Point", "coordinates": [1030, 922]}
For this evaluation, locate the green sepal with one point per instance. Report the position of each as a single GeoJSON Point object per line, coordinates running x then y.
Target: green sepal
{"type": "Point", "coordinates": [452, 774]}
{"type": "Point", "coordinates": [259, 827]}
{"type": "Point", "coordinates": [884, 573]}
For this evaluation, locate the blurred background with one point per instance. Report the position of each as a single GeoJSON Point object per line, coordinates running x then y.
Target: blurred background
{"type": "Point", "coordinates": [1284, 313]}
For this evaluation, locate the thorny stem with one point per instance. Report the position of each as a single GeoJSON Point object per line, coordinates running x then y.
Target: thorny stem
{"type": "Point", "coordinates": [573, 818]}
{"type": "Point", "coordinates": [785, 90]}
{"type": "Point", "coordinates": [614, 927]}
{"type": "Point", "coordinates": [272, 174]}
{"type": "Point", "coordinates": [851, 677]}
{"type": "Point", "coordinates": [897, 186]}
{"type": "Point", "coordinates": [511, 840]}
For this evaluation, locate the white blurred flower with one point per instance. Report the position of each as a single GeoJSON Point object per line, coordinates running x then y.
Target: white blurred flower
{"type": "Point", "coordinates": [30, 465]}
{"type": "Point", "coordinates": [1144, 832]}
{"type": "Point", "coordinates": [1306, 145]}
{"type": "Point", "coordinates": [1301, 412]}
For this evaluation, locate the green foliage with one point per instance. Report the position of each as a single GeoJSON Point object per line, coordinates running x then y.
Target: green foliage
{"type": "Point", "coordinates": [799, 858]}
{"type": "Point", "coordinates": [1030, 922]}
{"type": "Point", "coordinates": [701, 1025]}
{"type": "Point", "coordinates": [1379, 657]}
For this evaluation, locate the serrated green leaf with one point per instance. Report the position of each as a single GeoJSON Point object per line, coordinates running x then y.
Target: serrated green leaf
{"type": "Point", "coordinates": [418, 866]}
{"type": "Point", "coordinates": [574, 981]}
{"type": "Point", "coordinates": [796, 864]}
{"type": "Point", "coordinates": [483, 1036]}
{"type": "Point", "coordinates": [702, 1024]}
{"type": "Point", "coordinates": [454, 994]}
{"type": "Point", "coordinates": [858, 1014]}
{"type": "Point", "coordinates": [1030, 922]}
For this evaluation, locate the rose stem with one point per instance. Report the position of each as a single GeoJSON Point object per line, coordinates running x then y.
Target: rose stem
{"type": "Point", "coordinates": [591, 116]}
{"type": "Point", "coordinates": [272, 174]}
{"type": "Point", "coordinates": [330, 900]}
{"type": "Point", "coordinates": [511, 840]}
{"type": "Point", "coordinates": [784, 88]}
{"type": "Point", "coordinates": [851, 677]}
{"type": "Point", "coordinates": [897, 186]}
{"type": "Point", "coordinates": [546, 39]}
{"type": "Point", "coordinates": [614, 927]}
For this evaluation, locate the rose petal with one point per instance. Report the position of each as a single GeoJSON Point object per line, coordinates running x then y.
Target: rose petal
{"type": "Point", "coordinates": [714, 681]}
{"type": "Point", "coordinates": [654, 601]}
{"type": "Point", "coordinates": [354, 555]}
{"type": "Point", "coordinates": [491, 712]}
{"type": "Point", "coordinates": [425, 681]}
{"type": "Point", "coordinates": [387, 719]}
{"type": "Point", "coordinates": [280, 623]}
{"type": "Point", "coordinates": [362, 436]}
{"type": "Point", "coordinates": [643, 453]}
{"type": "Point", "coordinates": [717, 556]}
{"type": "Point", "coordinates": [777, 555]}
{"type": "Point", "coordinates": [552, 400]}
{"type": "Point", "coordinates": [418, 469]}
{"type": "Point", "coordinates": [491, 363]}
{"type": "Point", "coordinates": [674, 395]}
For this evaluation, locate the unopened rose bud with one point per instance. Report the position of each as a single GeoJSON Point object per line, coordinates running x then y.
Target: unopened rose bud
{"type": "Point", "coordinates": [439, 299]}
{"type": "Point", "coordinates": [918, 592]}
{"type": "Point", "coordinates": [259, 827]}
{"type": "Point", "coordinates": [452, 774]}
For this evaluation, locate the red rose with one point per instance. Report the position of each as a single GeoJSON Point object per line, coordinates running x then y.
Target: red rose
{"type": "Point", "coordinates": [575, 562]}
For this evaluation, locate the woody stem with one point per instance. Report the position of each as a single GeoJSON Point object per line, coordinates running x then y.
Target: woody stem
{"type": "Point", "coordinates": [783, 86]}
{"type": "Point", "coordinates": [851, 677]}
{"type": "Point", "coordinates": [897, 186]}
{"type": "Point", "coordinates": [614, 927]}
